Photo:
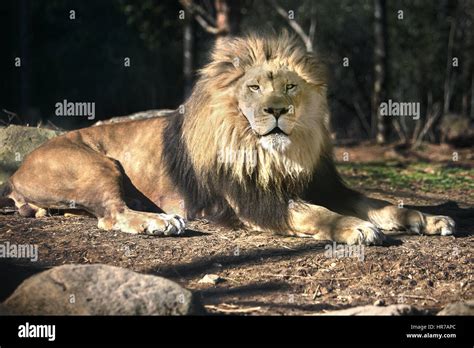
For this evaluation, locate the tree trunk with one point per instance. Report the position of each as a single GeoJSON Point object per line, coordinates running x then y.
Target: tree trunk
{"type": "Point", "coordinates": [380, 124]}
{"type": "Point", "coordinates": [25, 70]}
{"type": "Point", "coordinates": [472, 97]}
{"type": "Point", "coordinates": [467, 46]}
{"type": "Point", "coordinates": [449, 68]}
{"type": "Point", "coordinates": [235, 16]}
{"type": "Point", "coordinates": [188, 46]}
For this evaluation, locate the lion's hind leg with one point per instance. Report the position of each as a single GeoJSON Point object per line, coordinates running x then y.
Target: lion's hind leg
{"type": "Point", "coordinates": [26, 209]}
{"type": "Point", "coordinates": [76, 174]}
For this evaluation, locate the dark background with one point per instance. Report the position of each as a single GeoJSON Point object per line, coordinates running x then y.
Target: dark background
{"type": "Point", "coordinates": [82, 59]}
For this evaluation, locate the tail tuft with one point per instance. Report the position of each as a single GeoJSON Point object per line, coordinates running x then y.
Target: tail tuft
{"type": "Point", "coordinates": [5, 190]}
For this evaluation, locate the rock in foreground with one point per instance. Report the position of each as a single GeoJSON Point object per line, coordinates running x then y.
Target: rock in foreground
{"type": "Point", "coordinates": [99, 290]}
{"type": "Point", "coordinates": [459, 308]}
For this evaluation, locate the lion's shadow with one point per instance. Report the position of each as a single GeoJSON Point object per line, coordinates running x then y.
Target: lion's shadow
{"type": "Point", "coordinates": [205, 264]}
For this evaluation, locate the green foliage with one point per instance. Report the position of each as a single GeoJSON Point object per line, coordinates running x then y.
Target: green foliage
{"type": "Point", "coordinates": [414, 176]}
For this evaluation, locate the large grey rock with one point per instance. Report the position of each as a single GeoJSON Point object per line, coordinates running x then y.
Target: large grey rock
{"type": "Point", "coordinates": [397, 309]}
{"type": "Point", "coordinates": [99, 290]}
{"type": "Point", "coordinates": [18, 141]}
{"type": "Point", "coordinates": [459, 308]}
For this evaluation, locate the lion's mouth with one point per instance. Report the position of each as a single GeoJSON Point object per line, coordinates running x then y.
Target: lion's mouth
{"type": "Point", "coordinates": [275, 140]}
{"type": "Point", "coordinates": [276, 130]}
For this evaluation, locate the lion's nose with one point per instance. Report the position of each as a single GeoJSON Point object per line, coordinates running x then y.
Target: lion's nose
{"type": "Point", "coordinates": [277, 112]}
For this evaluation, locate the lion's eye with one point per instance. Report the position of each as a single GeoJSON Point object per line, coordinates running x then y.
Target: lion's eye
{"type": "Point", "coordinates": [290, 86]}
{"type": "Point", "coordinates": [254, 88]}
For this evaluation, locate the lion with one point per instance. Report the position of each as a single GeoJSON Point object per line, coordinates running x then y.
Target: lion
{"type": "Point", "coordinates": [249, 148]}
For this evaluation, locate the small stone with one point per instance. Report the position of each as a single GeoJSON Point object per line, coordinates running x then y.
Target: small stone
{"type": "Point", "coordinates": [344, 298]}
{"type": "Point", "coordinates": [210, 279]}
{"type": "Point", "coordinates": [379, 303]}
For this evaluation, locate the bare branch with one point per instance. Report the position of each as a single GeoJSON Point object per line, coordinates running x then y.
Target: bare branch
{"type": "Point", "coordinates": [429, 123]}
{"type": "Point", "coordinates": [429, 110]}
{"type": "Point", "coordinates": [361, 116]}
{"type": "Point", "coordinates": [399, 130]}
{"type": "Point", "coordinates": [206, 26]}
{"type": "Point", "coordinates": [294, 25]}
{"type": "Point", "coordinates": [11, 116]}
{"type": "Point", "coordinates": [202, 16]}
{"type": "Point", "coordinates": [194, 8]}
{"type": "Point", "coordinates": [312, 26]}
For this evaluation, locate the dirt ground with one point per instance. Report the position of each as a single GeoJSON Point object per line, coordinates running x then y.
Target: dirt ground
{"type": "Point", "coordinates": [265, 274]}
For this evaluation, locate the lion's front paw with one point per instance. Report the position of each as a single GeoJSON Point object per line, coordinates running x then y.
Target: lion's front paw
{"type": "Point", "coordinates": [356, 231]}
{"type": "Point", "coordinates": [136, 222]}
{"type": "Point", "coordinates": [438, 224]}
{"type": "Point", "coordinates": [174, 225]}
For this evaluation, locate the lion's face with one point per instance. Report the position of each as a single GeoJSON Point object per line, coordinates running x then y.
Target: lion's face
{"type": "Point", "coordinates": [270, 97]}
{"type": "Point", "coordinates": [258, 113]}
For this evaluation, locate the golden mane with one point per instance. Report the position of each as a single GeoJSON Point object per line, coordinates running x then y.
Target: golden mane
{"type": "Point", "coordinates": [213, 124]}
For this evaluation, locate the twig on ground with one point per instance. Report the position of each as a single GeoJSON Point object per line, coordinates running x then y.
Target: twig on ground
{"type": "Point", "coordinates": [307, 277]}
{"type": "Point", "coordinates": [418, 297]}
{"type": "Point", "coordinates": [231, 279]}
{"type": "Point", "coordinates": [316, 292]}
{"type": "Point", "coordinates": [228, 308]}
